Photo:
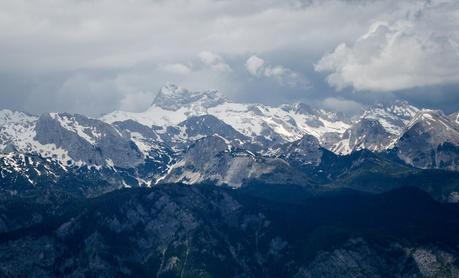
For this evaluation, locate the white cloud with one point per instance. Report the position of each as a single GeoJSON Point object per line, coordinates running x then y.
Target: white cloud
{"type": "Point", "coordinates": [176, 68]}
{"type": "Point", "coordinates": [136, 101]}
{"type": "Point", "coordinates": [399, 54]}
{"type": "Point", "coordinates": [256, 66]}
{"type": "Point", "coordinates": [214, 61]}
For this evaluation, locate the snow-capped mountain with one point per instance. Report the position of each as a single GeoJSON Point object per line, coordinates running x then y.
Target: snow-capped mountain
{"type": "Point", "coordinates": [259, 122]}
{"type": "Point", "coordinates": [87, 140]}
{"type": "Point", "coordinates": [393, 117]}
{"type": "Point", "coordinates": [17, 131]}
{"type": "Point", "coordinates": [193, 137]}
{"type": "Point", "coordinates": [377, 128]}
{"type": "Point", "coordinates": [171, 106]}
{"type": "Point", "coordinates": [23, 174]}
{"type": "Point", "coordinates": [172, 97]}
{"type": "Point", "coordinates": [69, 139]}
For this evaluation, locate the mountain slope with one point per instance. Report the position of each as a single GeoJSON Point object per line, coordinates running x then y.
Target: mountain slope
{"type": "Point", "coordinates": [197, 127]}
{"type": "Point", "coordinates": [182, 231]}
{"type": "Point", "coordinates": [67, 138]}
{"type": "Point", "coordinates": [377, 128]}
{"type": "Point", "coordinates": [260, 122]}
{"type": "Point", "coordinates": [213, 139]}
{"type": "Point", "coordinates": [366, 134]}
{"type": "Point", "coordinates": [300, 153]}
{"type": "Point", "coordinates": [35, 176]}
{"type": "Point", "coordinates": [216, 159]}
{"type": "Point", "coordinates": [393, 117]}
{"type": "Point", "coordinates": [431, 140]}
{"type": "Point", "coordinates": [88, 140]}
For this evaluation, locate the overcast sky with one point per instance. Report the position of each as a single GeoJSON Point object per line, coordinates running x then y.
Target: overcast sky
{"type": "Point", "coordinates": [95, 56]}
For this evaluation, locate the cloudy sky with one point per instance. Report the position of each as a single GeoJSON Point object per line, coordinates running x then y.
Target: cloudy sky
{"type": "Point", "coordinates": [95, 56]}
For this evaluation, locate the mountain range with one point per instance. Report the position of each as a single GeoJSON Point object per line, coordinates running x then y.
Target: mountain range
{"type": "Point", "coordinates": [200, 186]}
{"type": "Point", "coordinates": [193, 137]}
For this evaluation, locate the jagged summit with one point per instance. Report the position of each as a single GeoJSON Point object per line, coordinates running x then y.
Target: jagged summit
{"type": "Point", "coordinates": [400, 108]}
{"type": "Point", "coordinates": [393, 116]}
{"type": "Point", "coordinates": [209, 138]}
{"type": "Point", "coordinates": [179, 117]}
{"type": "Point", "coordinates": [367, 134]}
{"type": "Point", "coordinates": [174, 104]}
{"type": "Point", "coordinates": [173, 97]}
{"type": "Point", "coordinates": [429, 117]}
{"type": "Point", "coordinates": [305, 151]}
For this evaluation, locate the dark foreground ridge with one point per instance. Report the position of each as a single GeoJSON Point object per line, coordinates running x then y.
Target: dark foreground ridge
{"type": "Point", "coordinates": [208, 231]}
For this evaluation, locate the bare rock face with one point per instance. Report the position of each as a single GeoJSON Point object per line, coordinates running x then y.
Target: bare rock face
{"type": "Point", "coordinates": [133, 126]}
{"type": "Point", "coordinates": [303, 152]}
{"type": "Point", "coordinates": [206, 125]}
{"type": "Point", "coordinates": [88, 140]}
{"type": "Point", "coordinates": [357, 258]}
{"type": "Point", "coordinates": [214, 158]}
{"type": "Point", "coordinates": [366, 134]}
{"type": "Point", "coordinates": [431, 140]}
{"type": "Point", "coordinates": [197, 127]}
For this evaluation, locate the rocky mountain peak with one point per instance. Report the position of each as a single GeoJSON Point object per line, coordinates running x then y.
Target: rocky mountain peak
{"type": "Point", "coordinates": [211, 145]}
{"type": "Point", "coordinates": [431, 140]}
{"type": "Point", "coordinates": [303, 108]}
{"type": "Point", "coordinates": [173, 97]}
{"type": "Point", "coordinates": [305, 151]}
{"type": "Point", "coordinates": [429, 117]}
{"type": "Point", "coordinates": [307, 141]}
{"type": "Point", "coordinates": [368, 134]}
{"type": "Point", "coordinates": [393, 116]}
{"type": "Point", "coordinates": [399, 108]}
{"type": "Point", "coordinates": [87, 140]}
{"type": "Point", "coordinates": [207, 125]}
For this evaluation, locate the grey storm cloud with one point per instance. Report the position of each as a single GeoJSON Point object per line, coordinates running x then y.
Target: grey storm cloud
{"type": "Point", "coordinates": [95, 56]}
